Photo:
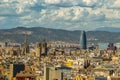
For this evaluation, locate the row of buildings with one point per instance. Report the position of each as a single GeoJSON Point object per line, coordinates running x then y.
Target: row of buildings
{"type": "Point", "coordinates": [59, 61]}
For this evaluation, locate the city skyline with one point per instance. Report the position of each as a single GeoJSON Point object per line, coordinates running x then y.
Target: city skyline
{"type": "Point", "coordinates": [60, 14]}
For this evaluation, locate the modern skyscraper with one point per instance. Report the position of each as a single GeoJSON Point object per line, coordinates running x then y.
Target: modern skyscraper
{"type": "Point", "coordinates": [83, 40]}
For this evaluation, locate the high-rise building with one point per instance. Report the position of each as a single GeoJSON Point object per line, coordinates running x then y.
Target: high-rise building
{"type": "Point", "coordinates": [44, 47]}
{"type": "Point", "coordinates": [83, 40]}
{"type": "Point", "coordinates": [38, 49]}
{"type": "Point", "coordinates": [50, 73]}
{"type": "Point", "coordinates": [6, 44]}
{"type": "Point", "coordinates": [16, 68]}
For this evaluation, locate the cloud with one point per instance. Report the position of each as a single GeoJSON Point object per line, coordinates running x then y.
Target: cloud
{"type": "Point", "coordinates": [2, 18]}
{"type": "Point", "coordinates": [24, 5]}
{"type": "Point", "coordinates": [18, 6]}
{"type": "Point", "coordinates": [72, 14]}
{"type": "Point", "coordinates": [82, 3]}
{"type": "Point", "coordinates": [53, 1]}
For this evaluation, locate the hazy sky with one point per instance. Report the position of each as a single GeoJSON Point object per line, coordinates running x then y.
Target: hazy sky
{"type": "Point", "coordinates": [62, 14]}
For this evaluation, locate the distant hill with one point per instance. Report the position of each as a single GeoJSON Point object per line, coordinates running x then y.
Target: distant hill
{"type": "Point", "coordinates": [110, 29]}
{"type": "Point", "coordinates": [37, 34]}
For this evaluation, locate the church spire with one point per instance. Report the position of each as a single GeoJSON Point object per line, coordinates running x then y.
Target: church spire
{"type": "Point", "coordinates": [25, 45]}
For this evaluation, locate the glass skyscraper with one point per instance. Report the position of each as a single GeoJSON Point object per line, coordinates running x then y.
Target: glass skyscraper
{"type": "Point", "coordinates": [83, 40]}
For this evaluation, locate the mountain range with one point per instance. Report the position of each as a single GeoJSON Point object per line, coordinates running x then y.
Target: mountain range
{"type": "Point", "coordinates": [110, 29]}
{"type": "Point", "coordinates": [37, 34]}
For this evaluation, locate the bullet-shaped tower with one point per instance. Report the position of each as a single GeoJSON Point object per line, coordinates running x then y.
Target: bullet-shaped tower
{"type": "Point", "coordinates": [83, 40]}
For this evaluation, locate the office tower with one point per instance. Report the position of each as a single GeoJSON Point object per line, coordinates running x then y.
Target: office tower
{"type": "Point", "coordinates": [6, 44]}
{"type": "Point", "coordinates": [44, 47]}
{"type": "Point", "coordinates": [50, 73]}
{"type": "Point", "coordinates": [25, 47]}
{"type": "Point", "coordinates": [46, 73]}
{"type": "Point", "coordinates": [38, 49]}
{"type": "Point", "coordinates": [16, 68]}
{"type": "Point", "coordinates": [83, 40]}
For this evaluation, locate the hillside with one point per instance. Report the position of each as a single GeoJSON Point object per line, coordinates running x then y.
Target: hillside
{"type": "Point", "coordinates": [37, 34]}
{"type": "Point", "coordinates": [110, 29]}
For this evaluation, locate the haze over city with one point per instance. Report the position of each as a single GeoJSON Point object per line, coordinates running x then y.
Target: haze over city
{"type": "Point", "coordinates": [60, 14]}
